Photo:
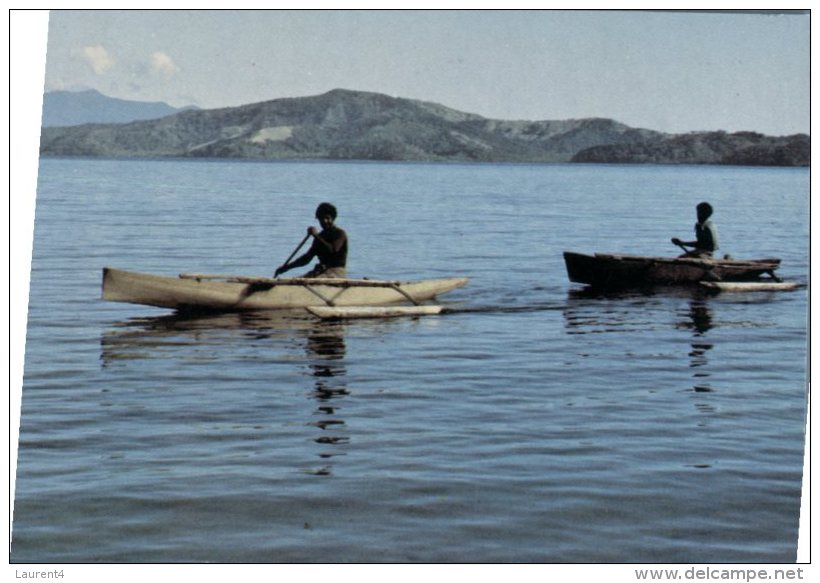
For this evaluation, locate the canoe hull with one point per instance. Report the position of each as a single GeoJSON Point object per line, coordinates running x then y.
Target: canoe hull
{"type": "Point", "coordinates": [614, 271]}
{"type": "Point", "coordinates": [190, 293]}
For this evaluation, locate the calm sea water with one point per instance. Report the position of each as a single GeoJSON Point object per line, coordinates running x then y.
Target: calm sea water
{"type": "Point", "coordinates": [535, 423]}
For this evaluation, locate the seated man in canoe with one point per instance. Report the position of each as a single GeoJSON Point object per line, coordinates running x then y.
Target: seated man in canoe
{"type": "Point", "coordinates": [329, 246]}
{"type": "Point", "coordinates": [706, 239]}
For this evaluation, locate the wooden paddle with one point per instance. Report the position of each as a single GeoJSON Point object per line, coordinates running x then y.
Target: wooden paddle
{"type": "Point", "coordinates": [295, 251]}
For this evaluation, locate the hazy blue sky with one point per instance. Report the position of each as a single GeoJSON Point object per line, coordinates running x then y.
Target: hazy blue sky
{"type": "Point", "coordinates": [668, 71]}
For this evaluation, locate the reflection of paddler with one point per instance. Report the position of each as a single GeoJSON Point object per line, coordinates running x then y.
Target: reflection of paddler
{"type": "Point", "coordinates": [326, 347]}
{"type": "Point", "coordinates": [701, 317]}
{"type": "Point", "coordinates": [326, 351]}
{"type": "Point", "coordinates": [701, 323]}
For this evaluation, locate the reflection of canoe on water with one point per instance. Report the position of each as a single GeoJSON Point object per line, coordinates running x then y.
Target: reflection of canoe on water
{"type": "Point", "coordinates": [612, 271]}
{"type": "Point", "coordinates": [186, 333]}
{"type": "Point", "coordinates": [234, 293]}
{"type": "Point", "coordinates": [351, 312]}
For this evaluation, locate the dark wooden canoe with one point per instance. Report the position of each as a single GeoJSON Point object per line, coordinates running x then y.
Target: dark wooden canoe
{"type": "Point", "coordinates": [613, 271]}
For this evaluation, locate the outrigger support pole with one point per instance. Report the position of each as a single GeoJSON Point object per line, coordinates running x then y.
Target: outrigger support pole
{"type": "Point", "coordinates": [405, 294]}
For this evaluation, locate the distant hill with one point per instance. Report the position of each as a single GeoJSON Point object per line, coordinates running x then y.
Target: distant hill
{"type": "Point", "coordinates": [355, 125]}
{"type": "Point", "coordinates": [70, 108]}
{"type": "Point", "coordinates": [741, 148]}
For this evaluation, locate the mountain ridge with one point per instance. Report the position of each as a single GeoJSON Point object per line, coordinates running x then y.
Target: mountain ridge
{"type": "Point", "coordinates": [70, 108]}
{"type": "Point", "coordinates": [343, 124]}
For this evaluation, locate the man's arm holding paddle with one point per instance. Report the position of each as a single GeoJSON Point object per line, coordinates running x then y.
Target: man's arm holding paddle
{"type": "Point", "coordinates": [303, 260]}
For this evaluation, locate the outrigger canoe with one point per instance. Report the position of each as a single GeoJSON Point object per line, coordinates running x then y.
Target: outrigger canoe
{"type": "Point", "coordinates": [203, 292]}
{"type": "Point", "coordinates": [617, 271]}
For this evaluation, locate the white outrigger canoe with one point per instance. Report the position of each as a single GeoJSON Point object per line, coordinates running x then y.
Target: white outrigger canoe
{"type": "Point", "coordinates": [194, 292]}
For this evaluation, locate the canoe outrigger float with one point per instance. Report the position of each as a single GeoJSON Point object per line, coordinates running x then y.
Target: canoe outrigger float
{"type": "Point", "coordinates": [337, 297]}
{"type": "Point", "coordinates": [607, 271]}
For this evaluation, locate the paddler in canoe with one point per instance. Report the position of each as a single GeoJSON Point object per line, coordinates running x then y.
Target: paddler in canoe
{"type": "Point", "coordinates": [329, 246]}
{"type": "Point", "coordinates": [706, 239]}
{"type": "Point", "coordinates": [695, 266]}
{"type": "Point", "coordinates": [325, 286]}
